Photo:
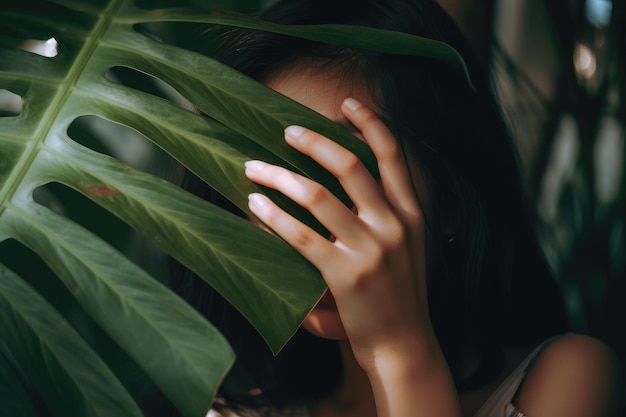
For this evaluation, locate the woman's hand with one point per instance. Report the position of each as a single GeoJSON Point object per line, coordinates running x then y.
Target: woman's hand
{"type": "Point", "coordinates": [375, 264]}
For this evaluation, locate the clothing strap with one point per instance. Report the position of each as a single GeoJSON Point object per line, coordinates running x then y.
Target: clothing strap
{"type": "Point", "coordinates": [512, 411]}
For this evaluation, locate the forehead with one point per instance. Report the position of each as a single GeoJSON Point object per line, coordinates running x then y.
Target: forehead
{"type": "Point", "coordinates": [322, 89]}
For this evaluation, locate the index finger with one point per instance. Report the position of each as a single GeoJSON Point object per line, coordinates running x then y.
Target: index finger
{"type": "Point", "coordinates": [394, 173]}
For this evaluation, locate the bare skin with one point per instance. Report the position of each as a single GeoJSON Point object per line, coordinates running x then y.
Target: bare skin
{"type": "Point", "coordinates": [575, 375]}
{"type": "Point", "coordinates": [374, 266]}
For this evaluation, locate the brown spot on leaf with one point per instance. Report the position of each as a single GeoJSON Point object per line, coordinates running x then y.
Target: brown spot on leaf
{"type": "Point", "coordinates": [101, 190]}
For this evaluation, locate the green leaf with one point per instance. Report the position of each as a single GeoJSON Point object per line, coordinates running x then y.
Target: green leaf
{"type": "Point", "coordinates": [78, 87]}
{"type": "Point", "coordinates": [13, 399]}
{"type": "Point", "coordinates": [227, 96]}
{"type": "Point", "coordinates": [214, 243]}
{"type": "Point", "coordinates": [262, 276]}
{"type": "Point", "coordinates": [67, 374]}
{"type": "Point", "coordinates": [349, 36]}
{"type": "Point", "coordinates": [208, 148]}
{"type": "Point", "coordinates": [183, 354]}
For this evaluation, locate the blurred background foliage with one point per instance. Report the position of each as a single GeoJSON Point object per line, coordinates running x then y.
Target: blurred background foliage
{"type": "Point", "coordinates": [559, 67]}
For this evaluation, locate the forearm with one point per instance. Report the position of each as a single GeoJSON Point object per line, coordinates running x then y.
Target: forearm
{"type": "Point", "coordinates": [414, 381]}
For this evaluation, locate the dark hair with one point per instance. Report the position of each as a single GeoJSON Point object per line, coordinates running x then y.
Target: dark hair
{"type": "Point", "coordinates": [489, 286]}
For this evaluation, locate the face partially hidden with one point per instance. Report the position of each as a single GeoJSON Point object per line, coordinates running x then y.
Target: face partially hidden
{"type": "Point", "coordinates": [322, 90]}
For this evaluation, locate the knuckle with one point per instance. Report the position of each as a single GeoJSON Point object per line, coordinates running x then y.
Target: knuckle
{"type": "Point", "coordinates": [391, 151]}
{"type": "Point", "coordinates": [415, 218]}
{"type": "Point", "coordinates": [350, 164]}
{"type": "Point", "coordinates": [377, 257]}
{"type": "Point", "coordinates": [369, 267]}
{"type": "Point", "coordinates": [374, 256]}
{"type": "Point", "coordinates": [396, 234]}
{"type": "Point", "coordinates": [303, 238]}
{"type": "Point", "coordinates": [314, 195]}
{"type": "Point", "coordinates": [408, 216]}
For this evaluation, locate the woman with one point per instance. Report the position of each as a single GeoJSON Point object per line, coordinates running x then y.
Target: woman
{"type": "Point", "coordinates": [436, 284]}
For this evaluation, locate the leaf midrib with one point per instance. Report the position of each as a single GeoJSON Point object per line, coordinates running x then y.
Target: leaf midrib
{"type": "Point", "coordinates": [56, 105]}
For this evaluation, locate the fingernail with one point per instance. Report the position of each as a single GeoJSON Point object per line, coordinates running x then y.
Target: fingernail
{"type": "Point", "coordinates": [351, 104]}
{"type": "Point", "coordinates": [254, 166]}
{"type": "Point", "coordinates": [294, 131]}
{"type": "Point", "coordinates": [257, 200]}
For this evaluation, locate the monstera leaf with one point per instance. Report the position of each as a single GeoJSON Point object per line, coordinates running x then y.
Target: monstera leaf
{"type": "Point", "coordinates": [270, 283]}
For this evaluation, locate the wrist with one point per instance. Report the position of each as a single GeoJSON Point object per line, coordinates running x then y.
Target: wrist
{"type": "Point", "coordinates": [413, 354]}
{"type": "Point", "coordinates": [413, 348]}
{"type": "Point", "coordinates": [410, 376]}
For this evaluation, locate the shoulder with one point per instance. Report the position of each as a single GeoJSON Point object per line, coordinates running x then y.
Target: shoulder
{"type": "Point", "coordinates": [573, 375]}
